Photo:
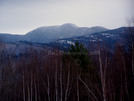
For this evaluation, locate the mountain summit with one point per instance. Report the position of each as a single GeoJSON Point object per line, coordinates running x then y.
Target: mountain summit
{"type": "Point", "coordinates": [52, 33]}
{"type": "Point", "coordinates": [69, 25]}
{"type": "Point", "coordinates": [48, 34]}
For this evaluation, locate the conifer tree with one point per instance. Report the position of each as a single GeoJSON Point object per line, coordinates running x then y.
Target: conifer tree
{"type": "Point", "coordinates": [79, 54]}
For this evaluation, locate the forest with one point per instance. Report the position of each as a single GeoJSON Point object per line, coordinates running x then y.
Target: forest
{"type": "Point", "coordinates": [73, 75]}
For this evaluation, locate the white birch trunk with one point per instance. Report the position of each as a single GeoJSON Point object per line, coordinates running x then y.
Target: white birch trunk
{"type": "Point", "coordinates": [24, 99]}
{"type": "Point", "coordinates": [48, 88]}
{"type": "Point", "coordinates": [39, 99]}
{"type": "Point", "coordinates": [68, 82]}
{"type": "Point", "coordinates": [56, 83]}
{"type": "Point", "coordinates": [1, 83]}
{"type": "Point", "coordinates": [88, 88]}
{"type": "Point", "coordinates": [102, 77]}
{"type": "Point", "coordinates": [121, 89]}
{"type": "Point", "coordinates": [77, 81]}
{"type": "Point", "coordinates": [31, 85]}
{"type": "Point", "coordinates": [125, 77]}
{"type": "Point", "coordinates": [131, 37]}
{"type": "Point", "coordinates": [28, 91]}
{"type": "Point", "coordinates": [61, 81]}
{"type": "Point", "coordinates": [35, 88]}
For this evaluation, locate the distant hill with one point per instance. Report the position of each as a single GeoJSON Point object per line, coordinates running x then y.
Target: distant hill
{"type": "Point", "coordinates": [67, 34]}
{"type": "Point", "coordinates": [48, 34]}
{"type": "Point", "coordinates": [108, 38]}
{"type": "Point", "coordinates": [63, 36]}
{"type": "Point", "coordinates": [11, 38]}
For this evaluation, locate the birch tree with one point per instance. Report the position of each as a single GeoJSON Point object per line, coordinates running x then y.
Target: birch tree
{"type": "Point", "coordinates": [129, 33]}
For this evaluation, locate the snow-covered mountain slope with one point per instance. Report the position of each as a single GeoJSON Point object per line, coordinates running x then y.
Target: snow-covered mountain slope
{"type": "Point", "coordinates": [108, 38]}
{"type": "Point", "coordinates": [53, 33]}
{"type": "Point", "coordinates": [66, 34]}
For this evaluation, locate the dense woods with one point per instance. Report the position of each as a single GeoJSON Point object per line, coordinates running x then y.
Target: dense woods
{"type": "Point", "coordinates": [74, 75]}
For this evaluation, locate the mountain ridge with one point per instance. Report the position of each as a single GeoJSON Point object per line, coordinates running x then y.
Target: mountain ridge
{"type": "Point", "coordinates": [46, 34]}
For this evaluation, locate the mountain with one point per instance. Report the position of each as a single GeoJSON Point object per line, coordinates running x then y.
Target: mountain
{"type": "Point", "coordinates": [53, 33]}
{"type": "Point", "coordinates": [107, 38]}
{"type": "Point", "coordinates": [10, 38]}
{"type": "Point", "coordinates": [48, 34]}
{"type": "Point", "coordinates": [65, 35]}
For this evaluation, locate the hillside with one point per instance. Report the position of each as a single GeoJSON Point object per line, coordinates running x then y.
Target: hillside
{"type": "Point", "coordinates": [48, 34]}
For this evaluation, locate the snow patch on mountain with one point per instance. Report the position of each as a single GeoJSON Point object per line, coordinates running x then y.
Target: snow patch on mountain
{"type": "Point", "coordinates": [70, 42]}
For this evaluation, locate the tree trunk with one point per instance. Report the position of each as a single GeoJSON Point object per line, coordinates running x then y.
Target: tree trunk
{"type": "Point", "coordinates": [35, 88]}
{"type": "Point", "coordinates": [131, 37]}
{"type": "Point", "coordinates": [61, 81]}
{"type": "Point", "coordinates": [121, 89]}
{"type": "Point", "coordinates": [102, 77]}
{"type": "Point", "coordinates": [88, 88]}
{"type": "Point", "coordinates": [24, 99]}
{"type": "Point", "coordinates": [125, 78]}
{"type": "Point", "coordinates": [56, 83]}
{"type": "Point", "coordinates": [48, 88]}
{"type": "Point", "coordinates": [39, 99]}
{"type": "Point", "coordinates": [67, 87]}
{"type": "Point", "coordinates": [77, 86]}
{"type": "Point", "coordinates": [31, 84]}
{"type": "Point", "coordinates": [28, 91]}
{"type": "Point", "coordinates": [132, 58]}
{"type": "Point", "coordinates": [1, 82]}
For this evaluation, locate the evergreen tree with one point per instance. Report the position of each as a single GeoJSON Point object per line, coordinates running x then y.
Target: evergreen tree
{"type": "Point", "coordinates": [79, 55]}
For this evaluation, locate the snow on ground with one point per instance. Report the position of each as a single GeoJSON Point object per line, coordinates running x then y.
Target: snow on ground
{"type": "Point", "coordinates": [70, 42]}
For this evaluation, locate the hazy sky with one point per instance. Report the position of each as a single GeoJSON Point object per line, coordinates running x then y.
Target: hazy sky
{"type": "Point", "coordinates": [22, 16]}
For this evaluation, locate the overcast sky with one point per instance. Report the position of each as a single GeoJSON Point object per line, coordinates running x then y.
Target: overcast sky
{"type": "Point", "coordinates": [22, 16]}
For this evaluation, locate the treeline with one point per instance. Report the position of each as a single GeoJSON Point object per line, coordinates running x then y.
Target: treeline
{"type": "Point", "coordinates": [39, 75]}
